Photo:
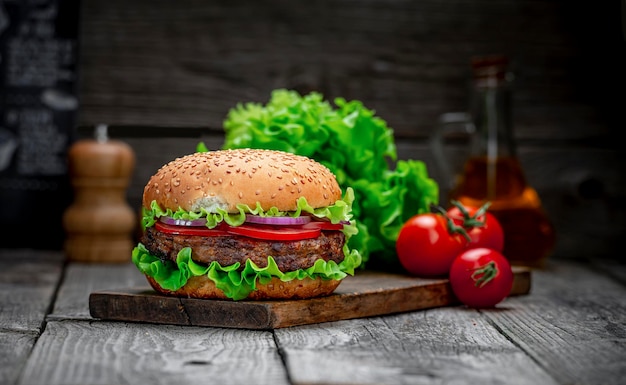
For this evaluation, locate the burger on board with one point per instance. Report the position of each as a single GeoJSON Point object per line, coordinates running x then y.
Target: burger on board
{"type": "Point", "coordinates": [245, 224]}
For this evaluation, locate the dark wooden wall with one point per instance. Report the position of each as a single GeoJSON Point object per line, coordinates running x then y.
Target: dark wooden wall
{"type": "Point", "coordinates": [163, 75]}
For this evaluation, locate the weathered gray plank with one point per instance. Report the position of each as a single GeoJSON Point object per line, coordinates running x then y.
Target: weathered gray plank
{"type": "Point", "coordinates": [79, 352]}
{"type": "Point", "coordinates": [611, 268]}
{"type": "Point", "coordinates": [14, 350]}
{"type": "Point", "coordinates": [446, 345]}
{"type": "Point", "coordinates": [28, 281]}
{"type": "Point", "coordinates": [81, 279]}
{"type": "Point", "coordinates": [573, 324]}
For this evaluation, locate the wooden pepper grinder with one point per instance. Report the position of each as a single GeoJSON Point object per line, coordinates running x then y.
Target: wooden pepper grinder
{"type": "Point", "coordinates": [100, 224]}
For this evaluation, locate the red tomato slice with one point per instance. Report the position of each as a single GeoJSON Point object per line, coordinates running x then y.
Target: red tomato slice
{"type": "Point", "coordinates": [275, 233]}
{"type": "Point", "coordinates": [191, 230]}
{"type": "Point", "coordinates": [265, 232]}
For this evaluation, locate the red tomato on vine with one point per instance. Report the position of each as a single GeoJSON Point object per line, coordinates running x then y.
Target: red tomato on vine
{"type": "Point", "coordinates": [428, 243]}
{"type": "Point", "coordinates": [481, 226]}
{"type": "Point", "coordinates": [481, 277]}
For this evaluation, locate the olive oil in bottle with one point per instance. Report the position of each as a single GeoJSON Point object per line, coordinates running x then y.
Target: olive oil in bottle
{"type": "Point", "coordinates": [493, 173]}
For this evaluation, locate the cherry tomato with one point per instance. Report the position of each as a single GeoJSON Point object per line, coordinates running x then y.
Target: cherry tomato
{"type": "Point", "coordinates": [481, 277]}
{"type": "Point", "coordinates": [425, 247]}
{"type": "Point", "coordinates": [483, 228]}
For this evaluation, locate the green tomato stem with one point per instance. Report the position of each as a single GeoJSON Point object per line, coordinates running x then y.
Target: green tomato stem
{"type": "Point", "coordinates": [452, 227]}
{"type": "Point", "coordinates": [472, 221]}
{"type": "Point", "coordinates": [482, 275]}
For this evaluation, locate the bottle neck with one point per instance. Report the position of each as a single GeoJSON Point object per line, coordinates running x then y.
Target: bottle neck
{"type": "Point", "coordinates": [491, 109]}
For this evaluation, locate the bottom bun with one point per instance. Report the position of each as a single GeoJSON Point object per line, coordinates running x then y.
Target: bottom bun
{"type": "Point", "coordinates": [203, 287]}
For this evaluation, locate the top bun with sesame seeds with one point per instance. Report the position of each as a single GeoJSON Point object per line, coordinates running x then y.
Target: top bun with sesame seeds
{"type": "Point", "coordinates": [223, 179]}
{"type": "Point", "coordinates": [245, 224]}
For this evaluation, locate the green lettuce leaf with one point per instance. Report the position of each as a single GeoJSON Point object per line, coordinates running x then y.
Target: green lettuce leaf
{"type": "Point", "coordinates": [236, 283]}
{"type": "Point", "coordinates": [357, 146]}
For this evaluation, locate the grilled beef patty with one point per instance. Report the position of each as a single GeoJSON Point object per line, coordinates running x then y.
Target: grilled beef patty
{"type": "Point", "coordinates": [226, 250]}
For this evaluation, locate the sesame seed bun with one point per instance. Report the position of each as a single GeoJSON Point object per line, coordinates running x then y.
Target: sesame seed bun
{"type": "Point", "coordinates": [225, 178]}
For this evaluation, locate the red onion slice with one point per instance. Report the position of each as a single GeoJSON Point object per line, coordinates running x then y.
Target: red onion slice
{"type": "Point", "coordinates": [183, 222]}
{"type": "Point", "coordinates": [281, 221]}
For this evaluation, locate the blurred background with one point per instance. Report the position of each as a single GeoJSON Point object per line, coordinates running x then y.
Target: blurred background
{"type": "Point", "coordinates": [164, 74]}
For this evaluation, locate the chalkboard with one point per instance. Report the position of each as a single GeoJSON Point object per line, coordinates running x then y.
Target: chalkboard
{"type": "Point", "coordinates": [38, 108]}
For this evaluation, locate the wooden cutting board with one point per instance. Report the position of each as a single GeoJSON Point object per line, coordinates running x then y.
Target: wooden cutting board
{"type": "Point", "coordinates": [366, 294]}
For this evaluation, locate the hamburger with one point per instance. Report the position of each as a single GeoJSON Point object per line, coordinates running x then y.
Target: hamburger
{"type": "Point", "coordinates": [245, 224]}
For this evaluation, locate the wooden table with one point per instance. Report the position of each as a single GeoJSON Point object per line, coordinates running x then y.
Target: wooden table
{"type": "Point", "coordinates": [570, 329]}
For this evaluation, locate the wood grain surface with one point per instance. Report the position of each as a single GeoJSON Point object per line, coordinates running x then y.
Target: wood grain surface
{"type": "Point", "coordinates": [569, 329]}
{"type": "Point", "coordinates": [100, 353]}
{"type": "Point", "coordinates": [366, 294]}
{"type": "Point", "coordinates": [27, 286]}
